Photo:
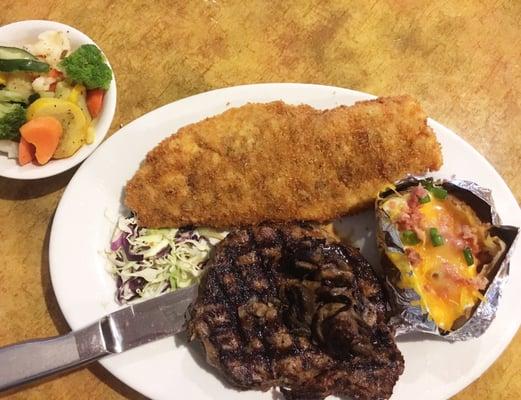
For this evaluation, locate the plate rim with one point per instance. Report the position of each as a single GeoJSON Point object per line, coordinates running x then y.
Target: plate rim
{"type": "Point", "coordinates": [489, 357]}
{"type": "Point", "coordinates": [102, 127]}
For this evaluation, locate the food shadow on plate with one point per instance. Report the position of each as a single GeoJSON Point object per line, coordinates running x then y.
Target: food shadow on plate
{"type": "Point", "coordinates": [123, 211]}
{"type": "Point", "coordinates": [433, 353]}
{"type": "Point", "coordinates": [359, 231]}
{"type": "Point", "coordinates": [197, 352]}
{"type": "Point", "coordinates": [420, 337]}
{"type": "Point", "coordinates": [63, 328]}
{"type": "Point", "coordinates": [115, 384]}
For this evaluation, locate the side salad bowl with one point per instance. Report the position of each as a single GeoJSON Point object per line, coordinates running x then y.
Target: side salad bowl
{"type": "Point", "coordinates": [21, 33]}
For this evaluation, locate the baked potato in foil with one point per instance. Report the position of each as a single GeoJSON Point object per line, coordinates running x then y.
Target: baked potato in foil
{"type": "Point", "coordinates": [444, 256]}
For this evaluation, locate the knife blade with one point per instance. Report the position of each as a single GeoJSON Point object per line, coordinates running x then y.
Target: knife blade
{"type": "Point", "coordinates": [122, 330]}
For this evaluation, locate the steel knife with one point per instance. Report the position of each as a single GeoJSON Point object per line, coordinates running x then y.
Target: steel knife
{"type": "Point", "coordinates": [122, 330]}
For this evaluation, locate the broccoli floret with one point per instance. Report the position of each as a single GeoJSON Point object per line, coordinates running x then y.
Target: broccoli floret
{"type": "Point", "coordinates": [86, 66]}
{"type": "Point", "coordinates": [12, 117]}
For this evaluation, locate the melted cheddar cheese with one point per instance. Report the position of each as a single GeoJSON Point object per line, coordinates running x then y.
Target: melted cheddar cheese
{"type": "Point", "coordinates": [442, 278]}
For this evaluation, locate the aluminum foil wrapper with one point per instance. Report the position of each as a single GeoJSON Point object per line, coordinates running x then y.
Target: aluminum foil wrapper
{"type": "Point", "coordinates": [406, 315]}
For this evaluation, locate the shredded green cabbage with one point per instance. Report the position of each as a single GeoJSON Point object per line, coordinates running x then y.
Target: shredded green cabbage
{"type": "Point", "coordinates": [148, 262]}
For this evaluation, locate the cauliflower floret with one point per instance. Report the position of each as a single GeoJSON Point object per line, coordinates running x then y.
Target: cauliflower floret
{"type": "Point", "coordinates": [51, 47]}
{"type": "Point", "coordinates": [19, 82]}
{"type": "Point", "coordinates": [9, 147]}
{"type": "Point", "coordinates": [43, 83]}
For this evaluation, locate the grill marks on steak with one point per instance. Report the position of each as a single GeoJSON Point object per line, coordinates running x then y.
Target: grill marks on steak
{"type": "Point", "coordinates": [283, 305]}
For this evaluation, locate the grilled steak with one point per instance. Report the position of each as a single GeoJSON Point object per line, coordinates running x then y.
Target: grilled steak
{"type": "Point", "coordinates": [285, 305]}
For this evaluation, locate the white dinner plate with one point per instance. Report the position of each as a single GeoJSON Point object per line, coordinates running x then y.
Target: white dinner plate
{"type": "Point", "coordinates": [170, 369]}
{"type": "Point", "coordinates": [26, 32]}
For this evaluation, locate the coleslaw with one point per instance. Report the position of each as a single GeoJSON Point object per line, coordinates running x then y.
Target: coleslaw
{"type": "Point", "coordinates": [147, 262]}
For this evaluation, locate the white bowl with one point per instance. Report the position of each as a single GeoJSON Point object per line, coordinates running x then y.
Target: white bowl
{"type": "Point", "coordinates": [23, 32]}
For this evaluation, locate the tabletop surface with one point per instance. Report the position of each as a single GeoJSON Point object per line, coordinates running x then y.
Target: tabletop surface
{"type": "Point", "coordinates": [461, 59]}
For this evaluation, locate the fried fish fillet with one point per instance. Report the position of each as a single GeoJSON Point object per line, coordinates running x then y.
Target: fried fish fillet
{"type": "Point", "coordinates": [278, 162]}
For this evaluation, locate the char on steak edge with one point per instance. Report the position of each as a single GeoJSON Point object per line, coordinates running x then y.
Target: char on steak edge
{"type": "Point", "coordinates": [288, 306]}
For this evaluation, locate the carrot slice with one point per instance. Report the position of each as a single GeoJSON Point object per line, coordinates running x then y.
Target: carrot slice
{"type": "Point", "coordinates": [44, 133]}
{"type": "Point", "coordinates": [95, 101]}
{"type": "Point", "coordinates": [25, 152]}
{"type": "Point", "coordinates": [54, 73]}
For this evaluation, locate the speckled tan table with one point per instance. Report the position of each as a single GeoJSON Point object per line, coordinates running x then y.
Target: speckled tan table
{"type": "Point", "coordinates": [460, 58]}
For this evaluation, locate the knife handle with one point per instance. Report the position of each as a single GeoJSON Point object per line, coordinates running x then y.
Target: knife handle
{"type": "Point", "coordinates": [27, 361]}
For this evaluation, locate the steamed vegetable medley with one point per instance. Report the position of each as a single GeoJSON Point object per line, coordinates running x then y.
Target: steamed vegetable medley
{"type": "Point", "coordinates": [50, 97]}
{"type": "Point", "coordinates": [148, 262]}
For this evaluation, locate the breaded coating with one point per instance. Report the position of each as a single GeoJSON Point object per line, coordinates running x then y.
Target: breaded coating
{"type": "Point", "coordinates": [278, 162]}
